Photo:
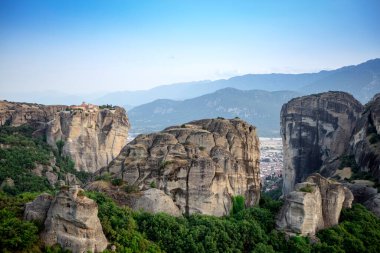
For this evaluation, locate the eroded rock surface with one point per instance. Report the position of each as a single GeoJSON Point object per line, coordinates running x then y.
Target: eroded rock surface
{"type": "Point", "coordinates": [314, 204]}
{"type": "Point", "coordinates": [199, 165]}
{"type": "Point", "coordinates": [316, 131]}
{"type": "Point", "coordinates": [365, 142]}
{"type": "Point", "coordinates": [156, 201]}
{"type": "Point", "coordinates": [92, 138]}
{"type": "Point", "coordinates": [71, 221]}
{"type": "Point", "coordinates": [38, 208]}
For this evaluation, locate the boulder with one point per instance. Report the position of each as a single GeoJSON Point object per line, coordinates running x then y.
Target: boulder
{"type": "Point", "coordinates": [314, 205]}
{"type": "Point", "coordinates": [72, 221]}
{"type": "Point", "coordinates": [156, 201]}
{"type": "Point", "coordinates": [38, 208]}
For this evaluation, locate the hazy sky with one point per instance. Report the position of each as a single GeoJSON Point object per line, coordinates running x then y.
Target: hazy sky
{"type": "Point", "coordinates": [89, 46]}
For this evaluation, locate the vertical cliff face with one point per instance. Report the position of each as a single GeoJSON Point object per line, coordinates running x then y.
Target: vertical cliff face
{"type": "Point", "coordinates": [92, 138]}
{"type": "Point", "coordinates": [200, 165]}
{"type": "Point", "coordinates": [315, 131]}
{"type": "Point", "coordinates": [365, 142]}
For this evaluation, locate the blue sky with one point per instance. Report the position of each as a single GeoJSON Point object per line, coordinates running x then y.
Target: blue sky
{"type": "Point", "coordinates": [93, 45]}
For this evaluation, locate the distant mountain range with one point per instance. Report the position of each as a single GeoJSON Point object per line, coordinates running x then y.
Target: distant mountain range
{"type": "Point", "coordinates": [258, 107]}
{"type": "Point", "coordinates": [362, 80]}
{"type": "Point", "coordinates": [256, 98]}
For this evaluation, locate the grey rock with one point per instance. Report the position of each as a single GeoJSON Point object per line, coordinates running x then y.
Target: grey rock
{"type": "Point", "coordinates": [316, 130]}
{"type": "Point", "coordinates": [156, 201]}
{"type": "Point", "coordinates": [314, 205]}
{"type": "Point", "coordinates": [367, 154]}
{"type": "Point", "coordinates": [72, 221]}
{"type": "Point", "coordinates": [38, 208]}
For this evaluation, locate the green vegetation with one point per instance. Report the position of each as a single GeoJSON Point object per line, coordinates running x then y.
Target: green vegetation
{"type": "Point", "coordinates": [131, 188]}
{"type": "Point", "coordinates": [107, 106]}
{"type": "Point", "coordinates": [237, 204]}
{"type": "Point", "coordinates": [120, 227]}
{"type": "Point", "coordinates": [349, 161]}
{"type": "Point", "coordinates": [117, 181]}
{"type": "Point", "coordinates": [308, 188]}
{"type": "Point", "coordinates": [19, 155]}
{"type": "Point", "coordinates": [374, 138]}
{"type": "Point", "coordinates": [244, 230]}
{"type": "Point", "coordinates": [153, 184]}
{"type": "Point", "coordinates": [165, 163]}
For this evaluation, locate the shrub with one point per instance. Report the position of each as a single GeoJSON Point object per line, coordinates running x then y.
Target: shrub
{"type": "Point", "coordinates": [201, 148]}
{"type": "Point", "coordinates": [349, 161]}
{"type": "Point", "coordinates": [131, 188]}
{"type": "Point", "coordinates": [153, 184]}
{"type": "Point", "coordinates": [374, 138]}
{"type": "Point", "coordinates": [308, 188]}
{"type": "Point", "coordinates": [117, 181]}
{"type": "Point", "coordinates": [60, 145]}
{"type": "Point", "coordinates": [238, 204]}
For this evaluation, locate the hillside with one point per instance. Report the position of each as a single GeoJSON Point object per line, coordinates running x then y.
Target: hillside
{"type": "Point", "coordinates": [362, 80]}
{"type": "Point", "coordinates": [258, 107]}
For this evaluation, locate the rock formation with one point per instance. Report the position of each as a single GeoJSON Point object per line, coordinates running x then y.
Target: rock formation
{"type": "Point", "coordinates": [155, 201]}
{"type": "Point", "coordinates": [314, 204]}
{"type": "Point", "coordinates": [70, 220]}
{"type": "Point", "coordinates": [92, 138]}
{"type": "Point", "coordinates": [365, 142]}
{"type": "Point", "coordinates": [315, 131]}
{"type": "Point", "coordinates": [38, 208]}
{"type": "Point", "coordinates": [199, 165]}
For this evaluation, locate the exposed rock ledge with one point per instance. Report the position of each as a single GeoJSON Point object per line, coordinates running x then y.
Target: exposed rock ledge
{"type": "Point", "coordinates": [199, 165]}
{"type": "Point", "coordinates": [71, 220]}
{"type": "Point", "coordinates": [315, 204]}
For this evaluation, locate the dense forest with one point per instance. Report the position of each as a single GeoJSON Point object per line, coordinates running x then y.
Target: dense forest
{"type": "Point", "coordinates": [244, 230]}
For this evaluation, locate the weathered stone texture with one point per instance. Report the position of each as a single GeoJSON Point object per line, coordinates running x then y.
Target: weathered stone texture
{"type": "Point", "coordinates": [91, 138]}
{"type": "Point", "coordinates": [314, 204]}
{"type": "Point", "coordinates": [199, 165]}
{"type": "Point", "coordinates": [316, 130]}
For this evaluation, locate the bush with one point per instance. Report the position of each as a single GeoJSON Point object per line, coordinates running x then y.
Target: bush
{"type": "Point", "coordinates": [120, 227]}
{"type": "Point", "coordinates": [374, 138]}
{"type": "Point", "coordinates": [117, 181]}
{"type": "Point", "coordinates": [308, 188]}
{"type": "Point", "coordinates": [131, 188]}
{"type": "Point", "coordinates": [238, 204]}
{"type": "Point", "coordinates": [349, 161]}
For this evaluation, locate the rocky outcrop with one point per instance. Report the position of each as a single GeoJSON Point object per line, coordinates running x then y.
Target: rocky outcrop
{"type": "Point", "coordinates": [156, 201]}
{"type": "Point", "coordinates": [199, 165]}
{"type": "Point", "coordinates": [70, 220]}
{"type": "Point", "coordinates": [365, 142]}
{"type": "Point", "coordinates": [92, 138]}
{"type": "Point", "coordinates": [38, 208]}
{"type": "Point", "coordinates": [314, 204]}
{"type": "Point", "coordinates": [315, 131]}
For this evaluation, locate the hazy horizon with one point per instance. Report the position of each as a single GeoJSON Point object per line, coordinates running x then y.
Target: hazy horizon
{"type": "Point", "coordinates": [83, 47]}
